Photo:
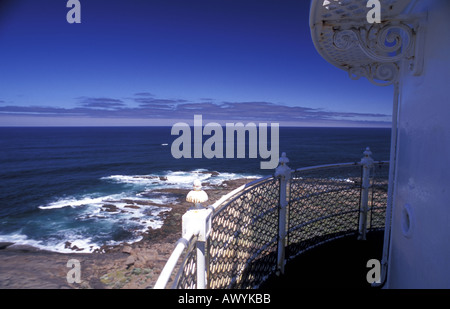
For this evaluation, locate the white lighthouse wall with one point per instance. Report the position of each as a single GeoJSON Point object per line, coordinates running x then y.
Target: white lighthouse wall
{"type": "Point", "coordinates": [420, 240]}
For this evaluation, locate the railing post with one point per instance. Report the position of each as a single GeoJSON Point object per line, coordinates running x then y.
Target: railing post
{"type": "Point", "coordinates": [198, 222]}
{"type": "Point", "coordinates": [367, 164]}
{"type": "Point", "coordinates": [284, 173]}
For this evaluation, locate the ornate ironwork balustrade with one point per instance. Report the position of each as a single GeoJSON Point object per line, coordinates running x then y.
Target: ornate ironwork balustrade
{"type": "Point", "coordinates": [250, 233]}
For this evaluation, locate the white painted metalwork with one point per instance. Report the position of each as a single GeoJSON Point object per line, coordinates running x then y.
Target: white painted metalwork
{"type": "Point", "coordinates": [420, 257]}
{"type": "Point", "coordinates": [197, 221]}
{"type": "Point", "coordinates": [343, 36]}
{"type": "Point", "coordinates": [197, 195]}
{"type": "Point", "coordinates": [367, 164]}
{"type": "Point", "coordinates": [284, 173]}
{"type": "Point", "coordinates": [251, 232]}
{"type": "Point", "coordinates": [164, 277]}
{"type": "Point", "coordinates": [395, 52]}
{"type": "Point", "coordinates": [389, 202]}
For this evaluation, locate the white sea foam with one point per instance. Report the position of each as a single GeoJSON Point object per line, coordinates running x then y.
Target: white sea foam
{"type": "Point", "coordinates": [73, 202]}
{"type": "Point", "coordinates": [13, 238]}
{"type": "Point", "coordinates": [177, 179]}
{"type": "Point", "coordinates": [127, 211]}
{"type": "Point", "coordinates": [95, 217]}
{"type": "Point", "coordinates": [77, 245]}
{"type": "Point", "coordinates": [79, 238]}
{"type": "Point", "coordinates": [20, 240]}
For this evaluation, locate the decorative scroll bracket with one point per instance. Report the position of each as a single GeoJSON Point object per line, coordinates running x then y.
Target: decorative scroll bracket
{"type": "Point", "coordinates": [389, 44]}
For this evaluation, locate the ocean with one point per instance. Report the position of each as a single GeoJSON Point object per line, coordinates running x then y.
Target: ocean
{"type": "Point", "coordinates": [56, 181]}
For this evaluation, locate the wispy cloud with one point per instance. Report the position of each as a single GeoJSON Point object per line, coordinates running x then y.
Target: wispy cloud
{"type": "Point", "coordinates": [150, 107]}
{"type": "Point", "coordinates": [144, 94]}
{"type": "Point", "coordinates": [146, 102]}
{"type": "Point", "coordinates": [100, 102]}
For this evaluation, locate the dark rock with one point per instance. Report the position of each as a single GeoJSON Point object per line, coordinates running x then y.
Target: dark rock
{"type": "Point", "coordinates": [110, 208]}
{"type": "Point", "coordinates": [22, 248]}
{"type": "Point", "coordinates": [4, 245]}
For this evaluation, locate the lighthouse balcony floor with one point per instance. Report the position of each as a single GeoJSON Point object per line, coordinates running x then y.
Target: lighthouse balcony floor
{"type": "Point", "coordinates": [341, 263]}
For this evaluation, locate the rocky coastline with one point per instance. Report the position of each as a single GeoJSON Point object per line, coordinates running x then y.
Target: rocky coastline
{"type": "Point", "coordinates": [124, 266]}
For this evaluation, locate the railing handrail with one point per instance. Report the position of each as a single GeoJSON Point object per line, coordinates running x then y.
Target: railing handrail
{"type": "Point", "coordinates": [171, 263]}
{"type": "Point", "coordinates": [217, 206]}
{"type": "Point", "coordinates": [323, 166]}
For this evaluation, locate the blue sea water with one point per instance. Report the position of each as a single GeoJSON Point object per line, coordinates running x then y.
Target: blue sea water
{"type": "Point", "coordinates": [55, 181]}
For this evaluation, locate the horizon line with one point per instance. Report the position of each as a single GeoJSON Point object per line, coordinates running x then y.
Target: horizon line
{"type": "Point", "coordinates": [169, 126]}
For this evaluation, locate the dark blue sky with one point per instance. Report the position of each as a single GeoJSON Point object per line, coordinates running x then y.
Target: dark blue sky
{"type": "Point", "coordinates": [155, 62]}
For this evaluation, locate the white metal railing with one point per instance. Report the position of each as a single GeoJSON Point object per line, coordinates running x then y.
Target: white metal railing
{"type": "Point", "coordinates": [197, 223]}
{"type": "Point", "coordinates": [252, 231]}
{"type": "Point", "coordinates": [171, 263]}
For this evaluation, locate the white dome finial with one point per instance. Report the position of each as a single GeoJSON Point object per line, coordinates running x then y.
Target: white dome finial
{"type": "Point", "coordinates": [197, 195]}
